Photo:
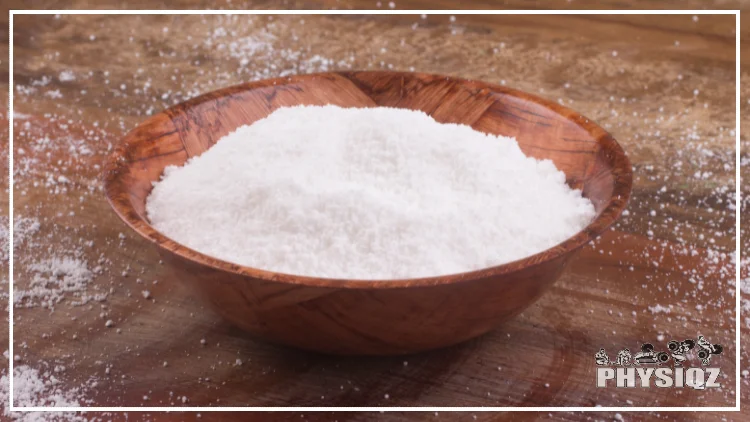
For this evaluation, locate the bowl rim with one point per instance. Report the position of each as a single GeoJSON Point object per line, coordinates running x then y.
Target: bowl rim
{"type": "Point", "coordinates": [116, 167]}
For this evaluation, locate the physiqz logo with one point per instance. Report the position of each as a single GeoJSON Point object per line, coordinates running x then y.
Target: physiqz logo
{"type": "Point", "coordinates": [650, 367]}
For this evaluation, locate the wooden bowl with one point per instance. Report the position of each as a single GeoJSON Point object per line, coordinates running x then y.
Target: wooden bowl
{"type": "Point", "coordinates": [371, 317]}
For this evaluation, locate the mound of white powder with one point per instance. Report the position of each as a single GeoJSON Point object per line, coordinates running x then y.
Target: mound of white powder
{"type": "Point", "coordinates": [370, 193]}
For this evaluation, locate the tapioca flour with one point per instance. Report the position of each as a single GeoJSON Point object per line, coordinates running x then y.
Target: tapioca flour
{"type": "Point", "coordinates": [365, 193]}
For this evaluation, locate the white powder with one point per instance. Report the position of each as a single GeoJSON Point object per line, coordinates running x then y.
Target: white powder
{"type": "Point", "coordinates": [67, 76]}
{"type": "Point", "coordinates": [33, 387]}
{"type": "Point", "coordinates": [52, 279]}
{"type": "Point", "coordinates": [374, 193]}
{"type": "Point", "coordinates": [23, 228]}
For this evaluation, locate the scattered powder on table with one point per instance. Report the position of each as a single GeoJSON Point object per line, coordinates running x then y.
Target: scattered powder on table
{"type": "Point", "coordinates": [52, 279]}
{"type": "Point", "coordinates": [34, 387]}
{"type": "Point", "coordinates": [365, 193]}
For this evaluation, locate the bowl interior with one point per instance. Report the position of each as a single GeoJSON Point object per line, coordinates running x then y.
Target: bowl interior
{"type": "Point", "coordinates": [590, 158]}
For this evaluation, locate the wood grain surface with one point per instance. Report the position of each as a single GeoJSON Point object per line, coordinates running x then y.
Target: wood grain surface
{"type": "Point", "coordinates": [662, 85]}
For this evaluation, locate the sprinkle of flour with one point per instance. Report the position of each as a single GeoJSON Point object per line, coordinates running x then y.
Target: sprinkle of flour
{"type": "Point", "coordinates": [34, 387]}
{"type": "Point", "coordinates": [23, 228]}
{"type": "Point", "coordinates": [366, 193]}
{"type": "Point", "coordinates": [53, 279]}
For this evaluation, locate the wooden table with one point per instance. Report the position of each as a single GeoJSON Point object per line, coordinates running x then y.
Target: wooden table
{"type": "Point", "coordinates": [663, 85]}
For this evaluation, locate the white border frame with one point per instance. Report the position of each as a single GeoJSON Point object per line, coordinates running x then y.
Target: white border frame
{"type": "Point", "coordinates": [738, 295]}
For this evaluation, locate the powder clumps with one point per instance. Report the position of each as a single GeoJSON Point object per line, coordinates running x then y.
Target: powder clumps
{"type": "Point", "coordinates": [52, 279]}
{"type": "Point", "coordinates": [366, 193]}
{"type": "Point", "coordinates": [40, 388]}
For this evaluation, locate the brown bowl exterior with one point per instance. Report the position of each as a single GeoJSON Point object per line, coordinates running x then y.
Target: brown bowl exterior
{"type": "Point", "coordinates": [371, 317]}
{"type": "Point", "coordinates": [368, 321]}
